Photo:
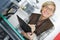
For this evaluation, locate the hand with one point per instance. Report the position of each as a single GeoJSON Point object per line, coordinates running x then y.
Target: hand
{"type": "Point", "coordinates": [31, 35]}
{"type": "Point", "coordinates": [32, 27]}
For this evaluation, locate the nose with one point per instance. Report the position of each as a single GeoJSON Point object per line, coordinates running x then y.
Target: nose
{"type": "Point", "coordinates": [45, 10]}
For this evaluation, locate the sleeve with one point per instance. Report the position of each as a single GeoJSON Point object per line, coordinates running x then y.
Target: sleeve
{"type": "Point", "coordinates": [34, 18]}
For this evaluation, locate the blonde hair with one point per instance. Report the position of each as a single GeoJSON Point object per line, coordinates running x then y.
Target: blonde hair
{"type": "Point", "coordinates": [49, 3]}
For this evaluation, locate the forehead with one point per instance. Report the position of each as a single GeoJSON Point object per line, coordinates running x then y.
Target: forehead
{"type": "Point", "coordinates": [51, 6]}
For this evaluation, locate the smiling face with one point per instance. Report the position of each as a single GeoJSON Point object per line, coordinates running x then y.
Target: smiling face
{"type": "Point", "coordinates": [47, 11]}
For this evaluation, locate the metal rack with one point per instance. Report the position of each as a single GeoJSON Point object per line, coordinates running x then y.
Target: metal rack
{"type": "Point", "coordinates": [5, 24]}
{"type": "Point", "coordinates": [9, 29]}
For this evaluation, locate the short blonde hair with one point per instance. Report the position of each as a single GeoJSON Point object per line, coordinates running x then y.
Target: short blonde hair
{"type": "Point", "coordinates": [49, 3]}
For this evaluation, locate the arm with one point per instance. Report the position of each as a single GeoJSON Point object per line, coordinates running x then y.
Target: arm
{"type": "Point", "coordinates": [25, 35]}
{"type": "Point", "coordinates": [29, 34]}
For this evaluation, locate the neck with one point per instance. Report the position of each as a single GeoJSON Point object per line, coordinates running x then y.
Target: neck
{"type": "Point", "coordinates": [42, 17]}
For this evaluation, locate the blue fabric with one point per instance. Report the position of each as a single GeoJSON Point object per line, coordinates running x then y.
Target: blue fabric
{"type": "Point", "coordinates": [4, 4]}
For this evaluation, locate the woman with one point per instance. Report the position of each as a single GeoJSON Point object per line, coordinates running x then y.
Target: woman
{"type": "Point", "coordinates": [42, 23]}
